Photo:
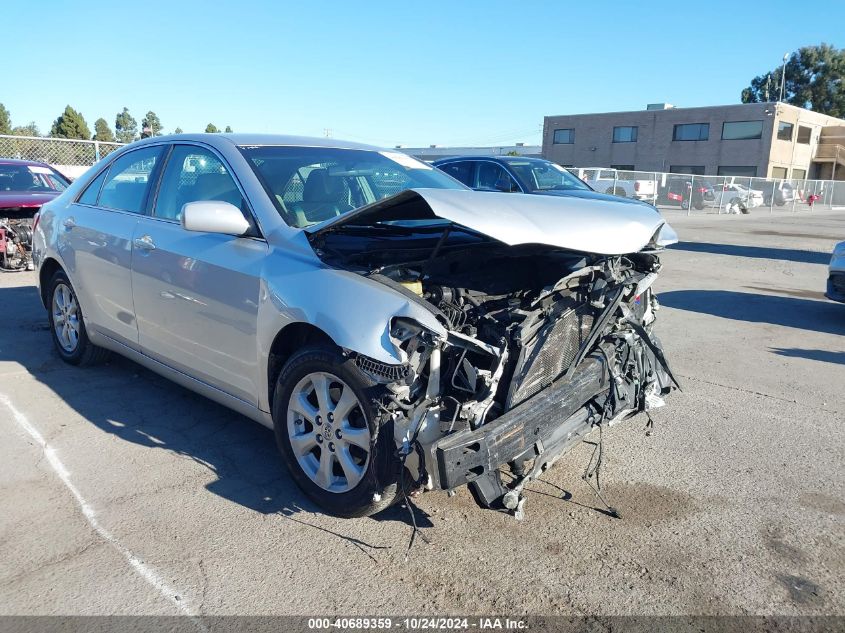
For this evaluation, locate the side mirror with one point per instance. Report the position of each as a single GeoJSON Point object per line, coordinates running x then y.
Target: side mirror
{"type": "Point", "coordinates": [214, 216]}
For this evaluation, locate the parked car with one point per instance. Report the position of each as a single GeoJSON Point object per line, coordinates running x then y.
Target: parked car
{"type": "Point", "coordinates": [735, 198]}
{"type": "Point", "coordinates": [615, 182]}
{"type": "Point", "coordinates": [25, 186]}
{"type": "Point", "coordinates": [836, 274]}
{"type": "Point", "coordinates": [782, 192]}
{"type": "Point", "coordinates": [393, 341]}
{"type": "Point", "coordinates": [680, 190]}
{"type": "Point", "coordinates": [516, 174]}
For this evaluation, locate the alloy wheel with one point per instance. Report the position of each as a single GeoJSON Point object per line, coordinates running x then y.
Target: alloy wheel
{"type": "Point", "coordinates": [328, 432]}
{"type": "Point", "coordinates": [66, 322]}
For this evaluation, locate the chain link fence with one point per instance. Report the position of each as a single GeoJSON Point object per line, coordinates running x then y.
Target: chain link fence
{"type": "Point", "coordinates": [715, 194]}
{"type": "Point", "coordinates": [69, 156]}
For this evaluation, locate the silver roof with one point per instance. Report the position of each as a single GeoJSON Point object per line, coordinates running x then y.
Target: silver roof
{"type": "Point", "coordinates": [264, 139]}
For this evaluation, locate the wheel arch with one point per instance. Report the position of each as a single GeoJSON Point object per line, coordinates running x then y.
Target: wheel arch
{"type": "Point", "coordinates": [45, 273]}
{"type": "Point", "coordinates": [287, 341]}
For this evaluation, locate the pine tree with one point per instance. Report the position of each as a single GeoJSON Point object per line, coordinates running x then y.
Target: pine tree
{"type": "Point", "coordinates": [70, 124]}
{"type": "Point", "coordinates": [5, 120]}
{"type": "Point", "coordinates": [125, 126]}
{"type": "Point", "coordinates": [102, 131]}
{"type": "Point", "coordinates": [151, 126]}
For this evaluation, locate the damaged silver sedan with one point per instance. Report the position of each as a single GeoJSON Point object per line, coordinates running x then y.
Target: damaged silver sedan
{"type": "Point", "coordinates": [399, 332]}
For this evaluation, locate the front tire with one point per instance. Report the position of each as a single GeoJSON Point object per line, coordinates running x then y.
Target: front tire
{"type": "Point", "coordinates": [335, 444]}
{"type": "Point", "coordinates": [67, 325]}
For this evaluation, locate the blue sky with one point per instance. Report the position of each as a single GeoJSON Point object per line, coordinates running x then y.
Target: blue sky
{"type": "Point", "coordinates": [468, 72]}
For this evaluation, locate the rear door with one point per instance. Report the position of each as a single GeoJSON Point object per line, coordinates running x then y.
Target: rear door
{"type": "Point", "coordinates": [196, 294]}
{"type": "Point", "coordinates": [95, 240]}
{"type": "Point", "coordinates": [460, 170]}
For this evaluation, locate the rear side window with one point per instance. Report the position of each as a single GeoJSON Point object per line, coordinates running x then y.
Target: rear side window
{"type": "Point", "coordinates": [128, 183]}
{"type": "Point", "coordinates": [461, 171]}
{"type": "Point", "coordinates": [92, 192]}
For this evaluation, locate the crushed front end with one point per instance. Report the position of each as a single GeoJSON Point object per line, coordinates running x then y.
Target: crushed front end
{"type": "Point", "coordinates": [542, 345]}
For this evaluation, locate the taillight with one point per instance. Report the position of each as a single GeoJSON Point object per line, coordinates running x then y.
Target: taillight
{"type": "Point", "coordinates": [637, 185]}
{"type": "Point", "coordinates": [35, 221]}
{"type": "Point", "coordinates": [702, 190]}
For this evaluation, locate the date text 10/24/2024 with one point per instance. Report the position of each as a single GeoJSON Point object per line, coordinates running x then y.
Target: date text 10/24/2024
{"type": "Point", "coordinates": [416, 624]}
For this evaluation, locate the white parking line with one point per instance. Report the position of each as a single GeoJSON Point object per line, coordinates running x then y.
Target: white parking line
{"type": "Point", "coordinates": [177, 598]}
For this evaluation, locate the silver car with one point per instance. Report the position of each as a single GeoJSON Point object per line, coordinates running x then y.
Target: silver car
{"type": "Point", "coordinates": [836, 274]}
{"type": "Point", "coordinates": [398, 331]}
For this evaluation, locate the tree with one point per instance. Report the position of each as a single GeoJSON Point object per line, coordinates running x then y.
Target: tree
{"type": "Point", "coordinates": [70, 124]}
{"type": "Point", "coordinates": [815, 79]}
{"type": "Point", "coordinates": [5, 120]}
{"type": "Point", "coordinates": [211, 129]}
{"type": "Point", "coordinates": [178, 130]}
{"type": "Point", "coordinates": [150, 126]}
{"type": "Point", "coordinates": [102, 131]}
{"type": "Point", "coordinates": [125, 126]}
{"type": "Point", "coordinates": [228, 129]}
{"type": "Point", "coordinates": [30, 129]}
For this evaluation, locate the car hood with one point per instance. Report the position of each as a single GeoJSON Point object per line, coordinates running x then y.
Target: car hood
{"type": "Point", "coordinates": [601, 226]}
{"type": "Point", "coordinates": [11, 199]}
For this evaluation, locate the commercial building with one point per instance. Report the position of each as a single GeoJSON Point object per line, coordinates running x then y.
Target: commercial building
{"type": "Point", "coordinates": [774, 140]}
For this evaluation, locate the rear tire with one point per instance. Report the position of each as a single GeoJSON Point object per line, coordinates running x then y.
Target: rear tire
{"type": "Point", "coordinates": [346, 465]}
{"type": "Point", "coordinates": [67, 325]}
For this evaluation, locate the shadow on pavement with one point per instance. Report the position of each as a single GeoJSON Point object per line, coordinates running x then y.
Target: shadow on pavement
{"type": "Point", "coordinates": [817, 316]}
{"type": "Point", "coordinates": [136, 405]}
{"type": "Point", "coordinates": [757, 252]}
{"type": "Point", "coordinates": [823, 355]}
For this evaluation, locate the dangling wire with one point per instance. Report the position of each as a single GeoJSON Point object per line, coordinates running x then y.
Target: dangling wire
{"type": "Point", "coordinates": [415, 445]}
{"type": "Point", "coordinates": [591, 469]}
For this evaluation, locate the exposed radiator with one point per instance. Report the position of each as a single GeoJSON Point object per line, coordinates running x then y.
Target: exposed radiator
{"type": "Point", "coordinates": [543, 359]}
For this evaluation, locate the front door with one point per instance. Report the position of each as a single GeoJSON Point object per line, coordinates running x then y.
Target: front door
{"type": "Point", "coordinates": [196, 294]}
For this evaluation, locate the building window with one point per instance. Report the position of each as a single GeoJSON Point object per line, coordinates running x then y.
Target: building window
{"type": "Point", "coordinates": [804, 135]}
{"type": "Point", "coordinates": [697, 170]}
{"type": "Point", "coordinates": [625, 134]}
{"type": "Point", "coordinates": [785, 131]}
{"type": "Point", "coordinates": [691, 132]}
{"type": "Point", "coordinates": [737, 170]}
{"type": "Point", "coordinates": [799, 174]}
{"type": "Point", "coordinates": [778, 172]}
{"type": "Point", "coordinates": [564, 136]}
{"type": "Point", "coordinates": [741, 130]}
{"type": "Point", "coordinates": [623, 167]}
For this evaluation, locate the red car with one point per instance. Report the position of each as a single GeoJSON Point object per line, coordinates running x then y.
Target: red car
{"type": "Point", "coordinates": [25, 186]}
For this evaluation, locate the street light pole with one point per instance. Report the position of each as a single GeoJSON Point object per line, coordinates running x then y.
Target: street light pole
{"type": "Point", "coordinates": [783, 74]}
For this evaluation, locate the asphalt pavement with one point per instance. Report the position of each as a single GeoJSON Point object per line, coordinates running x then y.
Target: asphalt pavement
{"type": "Point", "coordinates": [122, 493]}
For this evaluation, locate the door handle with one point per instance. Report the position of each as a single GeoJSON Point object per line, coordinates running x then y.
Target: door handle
{"type": "Point", "coordinates": [144, 243]}
{"type": "Point", "coordinates": [69, 223]}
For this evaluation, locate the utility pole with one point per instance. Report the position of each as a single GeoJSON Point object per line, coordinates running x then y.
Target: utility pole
{"type": "Point", "coordinates": [783, 74]}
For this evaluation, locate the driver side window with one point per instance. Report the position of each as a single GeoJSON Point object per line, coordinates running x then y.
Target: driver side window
{"type": "Point", "coordinates": [493, 177]}
{"type": "Point", "coordinates": [193, 174]}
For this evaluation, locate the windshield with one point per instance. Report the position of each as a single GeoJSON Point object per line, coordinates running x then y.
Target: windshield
{"type": "Point", "coordinates": [543, 175]}
{"type": "Point", "coordinates": [36, 178]}
{"type": "Point", "coordinates": [309, 185]}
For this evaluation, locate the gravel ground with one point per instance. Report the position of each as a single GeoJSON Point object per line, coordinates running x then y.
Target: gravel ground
{"type": "Point", "coordinates": [121, 493]}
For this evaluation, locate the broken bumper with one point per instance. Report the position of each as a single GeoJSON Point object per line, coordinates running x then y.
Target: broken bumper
{"type": "Point", "coordinates": [549, 423]}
